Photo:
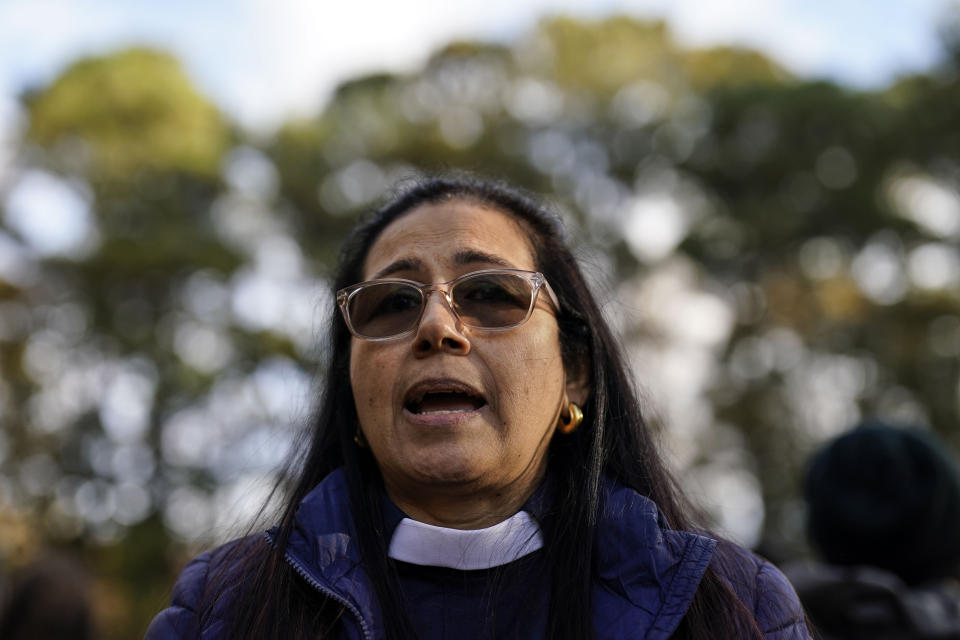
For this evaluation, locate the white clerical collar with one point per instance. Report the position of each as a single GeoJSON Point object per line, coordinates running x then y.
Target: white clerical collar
{"type": "Point", "coordinates": [429, 545]}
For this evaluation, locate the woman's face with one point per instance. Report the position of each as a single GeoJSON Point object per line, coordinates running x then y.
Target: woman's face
{"type": "Point", "coordinates": [450, 410]}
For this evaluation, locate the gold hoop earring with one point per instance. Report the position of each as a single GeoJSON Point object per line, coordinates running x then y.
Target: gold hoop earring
{"type": "Point", "coordinates": [359, 440]}
{"type": "Point", "coordinates": [573, 420]}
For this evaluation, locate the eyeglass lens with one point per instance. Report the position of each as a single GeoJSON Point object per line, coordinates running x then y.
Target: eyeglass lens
{"type": "Point", "coordinates": [490, 301]}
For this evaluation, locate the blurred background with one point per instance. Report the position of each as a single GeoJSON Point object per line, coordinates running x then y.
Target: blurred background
{"type": "Point", "coordinates": [766, 195]}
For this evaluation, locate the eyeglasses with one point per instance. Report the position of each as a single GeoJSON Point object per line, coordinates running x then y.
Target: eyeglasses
{"type": "Point", "coordinates": [492, 299]}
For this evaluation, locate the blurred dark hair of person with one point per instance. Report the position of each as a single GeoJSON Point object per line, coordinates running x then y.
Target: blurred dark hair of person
{"type": "Point", "coordinates": [884, 514]}
{"type": "Point", "coordinates": [47, 599]}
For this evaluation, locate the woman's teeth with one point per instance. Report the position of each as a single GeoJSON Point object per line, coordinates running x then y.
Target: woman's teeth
{"type": "Point", "coordinates": [446, 403]}
{"type": "Point", "coordinates": [437, 412]}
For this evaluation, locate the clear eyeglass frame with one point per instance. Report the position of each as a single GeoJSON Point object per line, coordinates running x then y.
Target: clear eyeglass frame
{"type": "Point", "coordinates": [536, 279]}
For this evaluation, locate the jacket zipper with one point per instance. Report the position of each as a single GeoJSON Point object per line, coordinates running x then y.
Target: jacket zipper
{"type": "Point", "coordinates": [306, 575]}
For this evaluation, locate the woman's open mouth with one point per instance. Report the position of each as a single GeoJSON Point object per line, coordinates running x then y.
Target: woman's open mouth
{"type": "Point", "coordinates": [442, 397]}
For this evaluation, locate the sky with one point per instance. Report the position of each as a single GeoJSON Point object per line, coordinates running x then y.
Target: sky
{"type": "Point", "coordinates": [265, 60]}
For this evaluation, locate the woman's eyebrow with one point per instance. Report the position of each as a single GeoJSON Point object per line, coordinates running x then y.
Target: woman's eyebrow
{"type": "Point", "coordinates": [462, 257]}
{"type": "Point", "coordinates": [403, 264]}
{"type": "Point", "coordinates": [470, 256]}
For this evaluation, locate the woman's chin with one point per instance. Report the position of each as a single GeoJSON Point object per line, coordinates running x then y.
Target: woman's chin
{"type": "Point", "coordinates": [448, 472]}
{"type": "Point", "coordinates": [442, 465]}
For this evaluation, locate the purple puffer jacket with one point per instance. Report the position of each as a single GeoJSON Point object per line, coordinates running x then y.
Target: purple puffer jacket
{"type": "Point", "coordinates": [645, 579]}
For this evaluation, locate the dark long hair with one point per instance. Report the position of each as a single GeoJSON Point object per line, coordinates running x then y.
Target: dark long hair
{"type": "Point", "coordinates": [613, 440]}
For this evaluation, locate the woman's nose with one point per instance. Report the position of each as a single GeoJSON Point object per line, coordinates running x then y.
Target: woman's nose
{"type": "Point", "coordinates": [440, 329]}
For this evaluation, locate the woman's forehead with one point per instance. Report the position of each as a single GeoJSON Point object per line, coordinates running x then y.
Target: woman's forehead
{"type": "Point", "coordinates": [449, 234]}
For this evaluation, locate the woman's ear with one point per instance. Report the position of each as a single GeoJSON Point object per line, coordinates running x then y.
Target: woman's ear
{"type": "Point", "coordinates": [578, 384]}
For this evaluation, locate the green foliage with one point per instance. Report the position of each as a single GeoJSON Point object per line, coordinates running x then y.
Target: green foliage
{"type": "Point", "coordinates": [602, 57]}
{"type": "Point", "coordinates": [132, 110]}
{"type": "Point", "coordinates": [731, 66]}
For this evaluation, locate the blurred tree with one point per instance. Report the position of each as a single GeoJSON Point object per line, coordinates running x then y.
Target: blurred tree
{"type": "Point", "coordinates": [99, 340]}
{"type": "Point", "coordinates": [128, 112]}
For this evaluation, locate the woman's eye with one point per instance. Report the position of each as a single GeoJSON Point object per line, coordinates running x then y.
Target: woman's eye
{"type": "Point", "coordinates": [491, 292]}
{"type": "Point", "coordinates": [397, 302]}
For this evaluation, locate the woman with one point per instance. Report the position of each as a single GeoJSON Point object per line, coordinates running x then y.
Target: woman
{"type": "Point", "coordinates": [479, 467]}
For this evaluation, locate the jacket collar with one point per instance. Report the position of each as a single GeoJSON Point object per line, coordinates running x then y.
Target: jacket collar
{"type": "Point", "coordinates": [324, 546]}
{"type": "Point", "coordinates": [638, 558]}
